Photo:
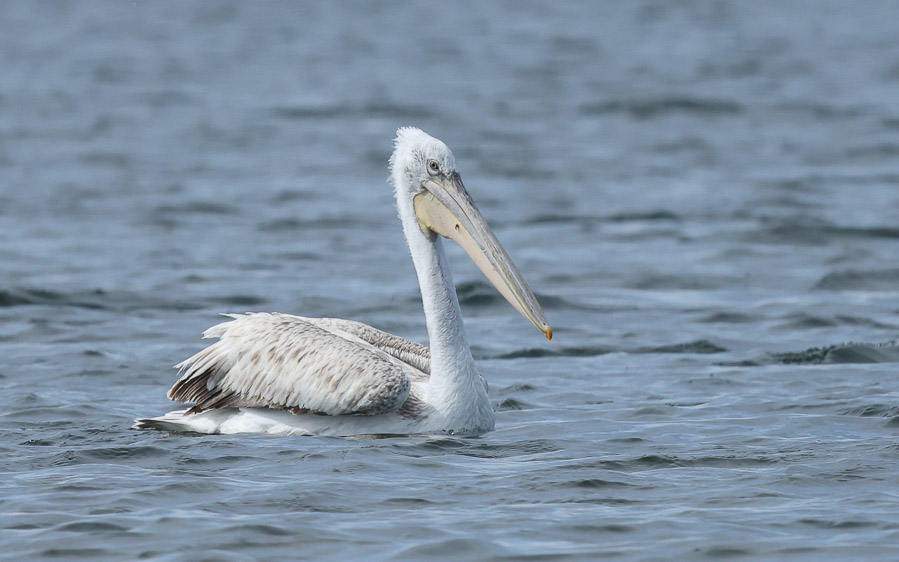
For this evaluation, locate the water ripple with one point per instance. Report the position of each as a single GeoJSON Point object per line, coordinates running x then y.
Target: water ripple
{"type": "Point", "coordinates": [709, 190]}
{"type": "Point", "coordinates": [842, 353]}
{"type": "Point", "coordinates": [650, 108]}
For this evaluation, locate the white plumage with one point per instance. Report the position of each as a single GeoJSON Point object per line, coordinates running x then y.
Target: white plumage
{"type": "Point", "coordinates": [279, 373]}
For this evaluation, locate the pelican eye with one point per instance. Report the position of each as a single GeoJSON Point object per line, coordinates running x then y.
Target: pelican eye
{"type": "Point", "coordinates": [433, 167]}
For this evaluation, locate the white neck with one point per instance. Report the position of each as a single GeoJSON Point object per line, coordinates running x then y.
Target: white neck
{"type": "Point", "coordinates": [454, 389]}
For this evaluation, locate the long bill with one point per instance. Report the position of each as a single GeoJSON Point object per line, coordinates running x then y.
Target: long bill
{"type": "Point", "coordinates": [445, 208]}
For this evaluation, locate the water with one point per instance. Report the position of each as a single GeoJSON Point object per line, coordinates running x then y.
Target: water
{"type": "Point", "coordinates": [704, 195]}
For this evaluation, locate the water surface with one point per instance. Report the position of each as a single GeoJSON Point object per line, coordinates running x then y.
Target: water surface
{"type": "Point", "coordinates": [704, 195]}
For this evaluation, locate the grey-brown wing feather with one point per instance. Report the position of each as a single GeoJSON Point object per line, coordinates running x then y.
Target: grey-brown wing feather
{"type": "Point", "coordinates": [412, 353]}
{"type": "Point", "coordinates": [285, 361]}
{"type": "Point", "coordinates": [409, 352]}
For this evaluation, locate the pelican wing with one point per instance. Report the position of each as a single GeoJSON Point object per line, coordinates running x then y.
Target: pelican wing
{"type": "Point", "coordinates": [409, 352]}
{"type": "Point", "coordinates": [319, 365]}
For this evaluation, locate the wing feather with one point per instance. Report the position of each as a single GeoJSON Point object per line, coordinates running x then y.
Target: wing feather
{"type": "Point", "coordinates": [284, 361]}
{"type": "Point", "coordinates": [409, 352]}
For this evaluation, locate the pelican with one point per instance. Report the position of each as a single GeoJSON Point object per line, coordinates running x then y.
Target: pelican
{"type": "Point", "coordinates": [284, 374]}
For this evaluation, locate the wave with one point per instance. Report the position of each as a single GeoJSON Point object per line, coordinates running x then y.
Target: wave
{"type": "Point", "coordinates": [591, 220]}
{"type": "Point", "coordinates": [32, 297]}
{"type": "Point", "coordinates": [850, 352]}
{"type": "Point", "coordinates": [194, 208]}
{"type": "Point", "coordinates": [872, 411]}
{"type": "Point", "coordinates": [513, 404]}
{"type": "Point", "coordinates": [571, 351]}
{"type": "Point", "coordinates": [819, 232]}
{"type": "Point", "coordinates": [100, 299]}
{"type": "Point", "coordinates": [855, 280]}
{"type": "Point", "coordinates": [649, 108]}
{"type": "Point", "coordinates": [384, 110]}
{"type": "Point", "coordinates": [697, 346]}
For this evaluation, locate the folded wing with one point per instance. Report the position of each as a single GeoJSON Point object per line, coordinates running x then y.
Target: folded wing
{"type": "Point", "coordinates": [321, 365]}
{"type": "Point", "coordinates": [409, 352]}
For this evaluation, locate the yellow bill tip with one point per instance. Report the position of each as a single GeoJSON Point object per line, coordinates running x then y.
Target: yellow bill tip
{"type": "Point", "coordinates": [549, 333]}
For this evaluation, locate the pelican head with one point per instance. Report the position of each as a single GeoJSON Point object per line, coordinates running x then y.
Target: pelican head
{"type": "Point", "coordinates": [424, 171]}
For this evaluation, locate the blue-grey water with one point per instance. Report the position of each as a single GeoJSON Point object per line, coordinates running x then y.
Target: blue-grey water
{"type": "Point", "coordinates": [704, 195]}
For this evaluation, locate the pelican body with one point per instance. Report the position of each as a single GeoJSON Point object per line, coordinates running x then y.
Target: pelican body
{"type": "Point", "coordinates": [284, 374]}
